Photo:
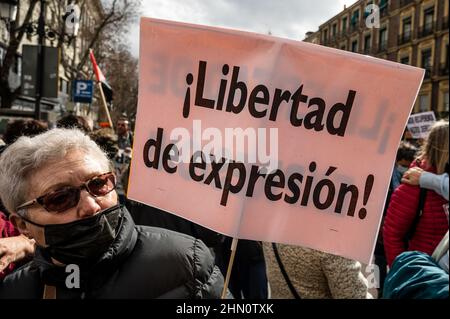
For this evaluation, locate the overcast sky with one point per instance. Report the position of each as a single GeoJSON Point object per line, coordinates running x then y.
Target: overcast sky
{"type": "Point", "coordinates": [283, 18]}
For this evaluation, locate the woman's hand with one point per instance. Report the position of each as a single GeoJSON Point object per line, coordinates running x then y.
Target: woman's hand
{"type": "Point", "coordinates": [14, 249]}
{"type": "Point", "coordinates": [412, 176]}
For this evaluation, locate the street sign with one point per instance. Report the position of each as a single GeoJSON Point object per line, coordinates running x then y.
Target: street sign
{"type": "Point", "coordinates": [50, 71]}
{"type": "Point", "coordinates": [83, 91]}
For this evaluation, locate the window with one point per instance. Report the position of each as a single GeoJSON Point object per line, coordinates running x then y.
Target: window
{"type": "Point", "coordinates": [2, 54]}
{"type": "Point", "coordinates": [428, 19]}
{"type": "Point", "coordinates": [52, 16]}
{"type": "Point", "coordinates": [426, 62]}
{"type": "Point", "coordinates": [334, 29]}
{"type": "Point", "coordinates": [325, 35]}
{"type": "Point", "coordinates": [355, 46]}
{"type": "Point", "coordinates": [383, 7]}
{"type": "Point", "coordinates": [406, 33]}
{"type": "Point", "coordinates": [367, 43]}
{"type": "Point", "coordinates": [63, 86]}
{"type": "Point", "coordinates": [355, 19]}
{"type": "Point", "coordinates": [443, 67]}
{"type": "Point", "coordinates": [344, 24]}
{"type": "Point", "coordinates": [446, 101]}
{"type": "Point", "coordinates": [423, 103]}
{"type": "Point", "coordinates": [404, 60]}
{"type": "Point", "coordinates": [85, 18]}
{"type": "Point", "coordinates": [367, 11]}
{"type": "Point", "coordinates": [446, 56]}
{"type": "Point", "coordinates": [383, 39]}
{"type": "Point", "coordinates": [17, 66]}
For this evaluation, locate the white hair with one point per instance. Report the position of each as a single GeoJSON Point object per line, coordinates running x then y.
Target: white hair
{"type": "Point", "coordinates": [27, 155]}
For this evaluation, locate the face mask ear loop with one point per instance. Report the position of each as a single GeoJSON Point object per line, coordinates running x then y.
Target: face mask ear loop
{"type": "Point", "coordinates": [21, 213]}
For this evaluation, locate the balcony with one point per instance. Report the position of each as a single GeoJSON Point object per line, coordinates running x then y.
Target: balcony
{"type": "Point", "coordinates": [333, 39]}
{"type": "Point", "coordinates": [404, 38]}
{"type": "Point", "coordinates": [354, 28]}
{"type": "Point", "coordinates": [427, 74]}
{"type": "Point", "coordinates": [382, 46]}
{"type": "Point", "coordinates": [405, 2]}
{"type": "Point", "coordinates": [443, 69]}
{"type": "Point", "coordinates": [426, 29]}
{"type": "Point", "coordinates": [368, 50]}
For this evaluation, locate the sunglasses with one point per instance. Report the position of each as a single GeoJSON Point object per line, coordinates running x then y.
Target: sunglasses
{"type": "Point", "coordinates": [67, 197]}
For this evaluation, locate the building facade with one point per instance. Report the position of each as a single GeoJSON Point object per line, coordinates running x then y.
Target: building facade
{"type": "Point", "coordinates": [413, 32]}
{"type": "Point", "coordinates": [70, 54]}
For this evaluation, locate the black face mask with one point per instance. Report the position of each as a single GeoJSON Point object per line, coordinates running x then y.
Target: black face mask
{"type": "Point", "coordinates": [83, 241]}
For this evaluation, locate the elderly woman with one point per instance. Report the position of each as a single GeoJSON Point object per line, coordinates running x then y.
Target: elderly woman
{"type": "Point", "coordinates": [61, 192]}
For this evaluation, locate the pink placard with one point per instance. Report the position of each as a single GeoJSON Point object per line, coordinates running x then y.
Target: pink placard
{"type": "Point", "coordinates": [329, 121]}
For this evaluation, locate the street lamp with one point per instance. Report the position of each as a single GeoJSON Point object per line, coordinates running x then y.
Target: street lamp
{"type": "Point", "coordinates": [8, 10]}
{"type": "Point", "coordinates": [72, 20]}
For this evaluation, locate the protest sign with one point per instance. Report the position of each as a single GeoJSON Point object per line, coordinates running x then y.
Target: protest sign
{"type": "Point", "coordinates": [265, 138]}
{"type": "Point", "coordinates": [419, 124]}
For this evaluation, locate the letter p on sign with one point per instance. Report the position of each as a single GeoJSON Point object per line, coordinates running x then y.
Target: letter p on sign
{"type": "Point", "coordinates": [81, 87]}
{"type": "Point", "coordinates": [82, 91]}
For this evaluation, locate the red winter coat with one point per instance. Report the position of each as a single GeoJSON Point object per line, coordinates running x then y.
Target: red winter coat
{"type": "Point", "coordinates": [400, 215]}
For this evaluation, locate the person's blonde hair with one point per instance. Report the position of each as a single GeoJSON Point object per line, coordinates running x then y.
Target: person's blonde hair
{"type": "Point", "coordinates": [435, 148]}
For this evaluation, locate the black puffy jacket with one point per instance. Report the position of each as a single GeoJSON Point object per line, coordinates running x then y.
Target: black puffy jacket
{"type": "Point", "coordinates": [142, 262]}
{"type": "Point", "coordinates": [152, 216]}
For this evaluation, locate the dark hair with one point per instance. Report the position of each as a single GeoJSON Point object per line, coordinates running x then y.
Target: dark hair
{"type": "Point", "coordinates": [74, 121]}
{"type": "Point", "coordinates": [107, 141]}
{"type": "Point", "coordinates": [19, 128]}
{"type": "Point", "coordinates": [406, 151]}
{"type": "Point", "coordinates": [123, 119]}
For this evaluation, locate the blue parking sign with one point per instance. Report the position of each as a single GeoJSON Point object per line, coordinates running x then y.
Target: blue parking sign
{"type": "Point", "coordinates": [82, 91]}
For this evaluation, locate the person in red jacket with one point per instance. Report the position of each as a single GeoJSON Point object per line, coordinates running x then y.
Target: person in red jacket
{"type": "Point", "coordinates": [401, 212]}
{"type": "Point", "coordinates": [13, 246]}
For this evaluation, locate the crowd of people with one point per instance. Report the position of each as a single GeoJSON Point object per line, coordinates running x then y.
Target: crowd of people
{"type": "Point", "coordinates": [63, 202]}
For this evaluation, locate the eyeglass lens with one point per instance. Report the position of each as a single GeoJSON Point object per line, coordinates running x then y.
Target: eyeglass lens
{"type": "Point", "coordinates": [69, 197]}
